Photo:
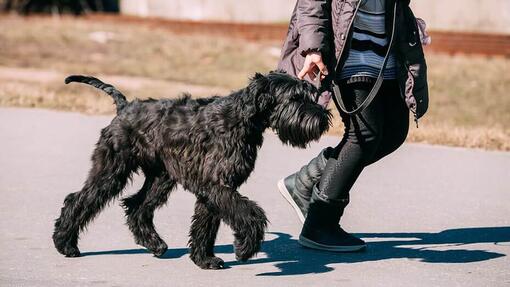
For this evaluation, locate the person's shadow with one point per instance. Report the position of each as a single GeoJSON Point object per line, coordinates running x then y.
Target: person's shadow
{"type": "Point", "coordinates": [292, 259]}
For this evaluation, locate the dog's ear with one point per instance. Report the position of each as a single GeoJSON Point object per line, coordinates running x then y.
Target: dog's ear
{"type": "Point", "coordinates": [265, 101]}
{"type": "Point", "coordinates": [257, 77]}
{"type": "Point", "coordinates": [280, 71]}
{"type": "Point", "coordinates": [258, 84]}
{"type": "Point", "coordinates": [259, 95]}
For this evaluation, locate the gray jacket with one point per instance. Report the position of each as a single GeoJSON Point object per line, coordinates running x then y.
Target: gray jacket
{"type": "Point", "coordinates": [326, 26]}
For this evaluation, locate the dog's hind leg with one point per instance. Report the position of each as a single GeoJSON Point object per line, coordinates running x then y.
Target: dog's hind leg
{"type": "Point", "coordinates": [109, 174]}
{"type": "Point", "coordinates": [204, 227]}
{"type": "Point", "coordinates": [245, 217]}
{"type": "Point", "coordinates": [140, 209]}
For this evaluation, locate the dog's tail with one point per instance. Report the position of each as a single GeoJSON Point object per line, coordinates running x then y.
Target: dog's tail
{"type": "Point", "coordinates": [118, 97]}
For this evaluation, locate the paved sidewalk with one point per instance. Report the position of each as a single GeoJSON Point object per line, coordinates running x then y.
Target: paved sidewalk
{"type": "Point", "coordinates": [433, 216]}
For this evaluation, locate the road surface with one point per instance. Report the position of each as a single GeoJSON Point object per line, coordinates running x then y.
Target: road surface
{"type": "Point", "coordinates": [433, 216]}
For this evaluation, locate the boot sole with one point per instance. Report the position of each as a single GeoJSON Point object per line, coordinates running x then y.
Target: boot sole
{"type": "Point", "coordinates": [288, 197]}
{"type": "Point", "coordinates": [314, 245]}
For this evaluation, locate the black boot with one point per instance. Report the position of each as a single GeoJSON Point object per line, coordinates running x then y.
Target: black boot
{"type": "Point", "coordinates": [321, 229]}
{"type": "Point", "coordinates": [297, 187]}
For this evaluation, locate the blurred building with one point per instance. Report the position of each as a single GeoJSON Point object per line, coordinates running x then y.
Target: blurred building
{"type": "Point", "coordinates": [259, 11]}
{"type": "Point", "coordinates": [487, 16]}
{"type": "Point", "coordinates": [448, 15]}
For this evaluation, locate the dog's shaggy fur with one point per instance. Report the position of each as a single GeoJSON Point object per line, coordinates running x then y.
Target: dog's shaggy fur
{"type": "Point", "coordinates": [209, 146]}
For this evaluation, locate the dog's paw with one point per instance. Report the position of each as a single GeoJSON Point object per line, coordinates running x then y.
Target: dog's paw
{"type": "Point", "coordinates": [246, 249]}
{"type": "Point", "coordinates": [70, 252]}
{"type": "Point", "coordinates": [66, 249]}
{"type": "Point", "coordinates": [159, 250]}
{"type": "Point", "coordinates": [210, 263]}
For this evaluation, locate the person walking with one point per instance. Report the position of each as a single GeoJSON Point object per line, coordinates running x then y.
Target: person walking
{"type": "Point", "coordinates": [367, 56]}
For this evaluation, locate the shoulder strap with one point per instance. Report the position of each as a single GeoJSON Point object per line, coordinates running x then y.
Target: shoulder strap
{"type": "Point", "coordinates": [378, 83]}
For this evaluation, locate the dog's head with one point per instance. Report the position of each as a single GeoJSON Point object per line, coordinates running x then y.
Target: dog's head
{"type": "Point", "coordinates": [290, 104]}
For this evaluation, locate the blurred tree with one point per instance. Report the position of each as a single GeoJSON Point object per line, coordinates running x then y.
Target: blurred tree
{"type": "Point", "coordinates": [76, 7]}
{"type": "Point", "coordinates": [111, 6]}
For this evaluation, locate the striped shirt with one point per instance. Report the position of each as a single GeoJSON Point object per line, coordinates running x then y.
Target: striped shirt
{"type": "Point", "coordinates": [369, 44]}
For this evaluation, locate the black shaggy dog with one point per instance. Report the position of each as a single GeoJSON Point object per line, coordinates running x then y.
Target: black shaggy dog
{"type": "Point", "coordinates": [209, 146]}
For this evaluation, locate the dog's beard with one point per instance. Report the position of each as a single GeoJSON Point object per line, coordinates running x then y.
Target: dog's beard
{"type": "Point", "coordinates": [298, 124]}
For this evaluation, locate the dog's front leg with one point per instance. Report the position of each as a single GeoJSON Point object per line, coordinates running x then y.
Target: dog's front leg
{"type": "Point", "coordinates": [204, 227]}
{"type": "Point", "coordinates": [245, 217]}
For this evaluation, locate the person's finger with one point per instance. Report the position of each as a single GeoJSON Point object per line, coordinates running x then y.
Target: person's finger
{"type": "Point", "coordinates": [306, 68]}
{"type": "Point", "coordinates": [313, 72]}
{"type": "Point", "coordinates": [312, 75]}
{"type": "Point", "coordinates": [322, 67]}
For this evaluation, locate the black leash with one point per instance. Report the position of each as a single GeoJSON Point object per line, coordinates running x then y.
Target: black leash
{"type": "Point", "coordinates": [378, 83]}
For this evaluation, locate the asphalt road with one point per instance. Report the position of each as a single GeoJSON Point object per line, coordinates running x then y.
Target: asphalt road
{"type": "Point", "coordinates": [433, 216]}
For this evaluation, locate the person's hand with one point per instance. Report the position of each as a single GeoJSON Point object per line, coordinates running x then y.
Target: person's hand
{"type": "Point", "coordinates": [313, 64]}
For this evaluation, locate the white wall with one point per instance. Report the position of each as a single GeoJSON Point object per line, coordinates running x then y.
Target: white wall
{"type": "Point", "coordinates": [254, 11]}
{"type": "Point", "coordinates": [452, 15]}
{"type": "Point", "coordinates": [491, 16]}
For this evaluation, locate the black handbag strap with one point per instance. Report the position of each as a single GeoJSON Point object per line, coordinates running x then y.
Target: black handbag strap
{"type": "Point", "coordinates": [378, 83]}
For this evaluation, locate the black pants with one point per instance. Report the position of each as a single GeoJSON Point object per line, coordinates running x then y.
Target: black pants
{"type": "Point", "coordinates": [369, 136]}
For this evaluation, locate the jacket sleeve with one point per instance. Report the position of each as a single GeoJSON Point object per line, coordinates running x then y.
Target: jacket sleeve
{"type": "Point", "coordinates": [313, 22]}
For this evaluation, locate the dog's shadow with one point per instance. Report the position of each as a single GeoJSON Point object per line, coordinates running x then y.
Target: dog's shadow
{"type": "Point", "coordinates": [292, 259]}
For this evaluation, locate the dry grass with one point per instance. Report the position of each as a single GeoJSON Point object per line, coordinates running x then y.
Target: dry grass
{"type": "Point", "coordinates": [478, 137]}
{"type": "Point", "coordinates": [470, 105]}
{"type": "Point", "coordinates": [28, 94]}
{"type": "Point", "coordinates": [52, 93]}
{"type": "Point", "coordinates": [68, 45]}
